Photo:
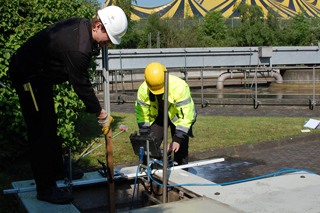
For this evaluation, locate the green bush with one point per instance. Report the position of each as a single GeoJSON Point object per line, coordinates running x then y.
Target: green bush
{"type": "Point", "coordinates": [20, 19]}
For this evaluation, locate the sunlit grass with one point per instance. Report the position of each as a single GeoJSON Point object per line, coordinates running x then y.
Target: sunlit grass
{"type": "Point", "coordinates": [210, 132]}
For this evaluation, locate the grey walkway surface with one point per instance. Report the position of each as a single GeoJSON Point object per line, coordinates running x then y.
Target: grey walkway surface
{"type": "Point", "coordinates": [300, 152]}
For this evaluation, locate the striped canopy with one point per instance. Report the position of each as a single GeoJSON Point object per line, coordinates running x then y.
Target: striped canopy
{"type": "Point", "coordinates": [284, 8]}
{"type": "Point", "coordinates": [190, 8]}
{"type": "Point", "coordinates": [176, 8]}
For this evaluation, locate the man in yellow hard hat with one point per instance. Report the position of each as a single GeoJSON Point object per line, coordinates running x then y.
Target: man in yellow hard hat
{"type": "Point", "coordinates": [150, 110]}
{"type": "Point", "coordinates": [59, 53]}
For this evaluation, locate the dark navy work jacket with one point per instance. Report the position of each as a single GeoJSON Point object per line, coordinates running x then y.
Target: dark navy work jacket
{"type": "Point", "coordinates": [59, 53]}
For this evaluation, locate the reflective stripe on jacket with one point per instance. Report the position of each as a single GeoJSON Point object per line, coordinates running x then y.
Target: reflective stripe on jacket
{"type": "Point", "coordinates": [182, 111]}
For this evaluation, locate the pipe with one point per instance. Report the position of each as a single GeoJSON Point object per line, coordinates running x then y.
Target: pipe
{"type": "Point", "coordinates": [228, 75]}
{"type": "Point", "coordinates": [106, 90]}
{"type": "Point", "coordinates": [165, 137]}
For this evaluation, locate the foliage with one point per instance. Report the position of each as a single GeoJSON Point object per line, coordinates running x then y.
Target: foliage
{"type": "Point", "coordinates": [168, 33]}
{"type": "Point", "coordinates": [214, 25]}
{"type": "Point", "coordinates": [251, 29]}
{"type": "Point", "coordinates": [131, 38]}
{"type": "Point", "coordinates": [192, 35]}
{"type": "Point", "coordinates": [273, 30]}
{"type": "Point", "coordinates": [251, 32]}
{"type": "Point", "coordinates": [297, 32]}
{"type": "Point", "coordinates": [67, 107]}
{"type": "Point", "coordinates": [20, 20]}
{"type": "Point", "coordinates": [153, 26]}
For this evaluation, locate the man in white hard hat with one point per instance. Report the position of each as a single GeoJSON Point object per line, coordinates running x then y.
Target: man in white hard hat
{"type": "Point", "coordinates": [59, 53]}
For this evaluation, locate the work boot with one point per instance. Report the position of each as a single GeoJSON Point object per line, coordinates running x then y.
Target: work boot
{"type": "Point", "coordinates": [55, 195]}
{"type": "Point", "coordinates": [76, 174]}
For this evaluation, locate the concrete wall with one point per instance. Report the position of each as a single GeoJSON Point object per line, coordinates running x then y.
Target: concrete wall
{"type": "Point", "coordinates": [300, 76]}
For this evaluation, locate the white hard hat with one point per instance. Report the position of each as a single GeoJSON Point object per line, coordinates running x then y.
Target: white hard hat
{"type": "Point", "coordinates": [115, 21]}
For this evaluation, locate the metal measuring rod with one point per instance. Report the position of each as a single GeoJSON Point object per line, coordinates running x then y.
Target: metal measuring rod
{"type": "Point", "coordinates": [122, 127]}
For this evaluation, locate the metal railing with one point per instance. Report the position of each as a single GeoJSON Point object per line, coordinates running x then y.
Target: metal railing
{"type": "Point", "coordinates": [209, 70]}
{"type": "Point", "coordinates": [251, 89]}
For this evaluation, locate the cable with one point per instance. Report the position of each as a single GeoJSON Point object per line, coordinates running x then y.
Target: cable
{"type": "Point", "coordinates": [141, 152]}
{"type": "Point", "coordinates": [134, 188]}
{"type": "Point", "coordinates": [284, 170]}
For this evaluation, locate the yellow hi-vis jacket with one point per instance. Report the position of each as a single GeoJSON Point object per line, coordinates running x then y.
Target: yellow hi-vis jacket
{"type": "Point", "coordinates": [181, 108]}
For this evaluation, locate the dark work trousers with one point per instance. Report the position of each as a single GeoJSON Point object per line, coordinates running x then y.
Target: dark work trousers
{"type": "Point", "coordinates": [181, 156]}
{"type": "Point", "coordinates": [44, 149]}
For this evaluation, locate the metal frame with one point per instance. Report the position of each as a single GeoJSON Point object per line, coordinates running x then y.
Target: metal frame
{"type": "Point", "coordinates": [249, 60]}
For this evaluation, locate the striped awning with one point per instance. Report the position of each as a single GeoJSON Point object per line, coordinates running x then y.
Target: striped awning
{"type": "Point", "coordinates": [190, 8]}
{"type": "Point", "coordinates": [284, 8]}
{"type": "Point", "coordinates": [176, 8]}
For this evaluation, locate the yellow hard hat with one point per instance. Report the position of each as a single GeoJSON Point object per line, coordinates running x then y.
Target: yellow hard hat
{"type": "Point", "coordinates": [154, 76]}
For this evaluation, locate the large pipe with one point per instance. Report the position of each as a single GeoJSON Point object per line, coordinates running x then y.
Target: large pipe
{"type": "Point", "coordinates": [229, 75]}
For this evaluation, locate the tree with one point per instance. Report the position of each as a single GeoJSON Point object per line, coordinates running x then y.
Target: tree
{"type": "Point", "coordinates": [272, 29]}
{"type": "Point", "coordinates": [297, 31]}
{"type": "Point", "coordinates": [153, 26]}
{"type": "Point", "coordinates": [252, 23]}
{"type": "Point", "coordinates": [214, 25]}
{"type": "Point", "coordinates": [131, 38]}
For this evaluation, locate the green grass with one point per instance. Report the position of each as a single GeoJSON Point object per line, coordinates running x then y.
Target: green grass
{"type": "Point", "coordinates": [210, 132]}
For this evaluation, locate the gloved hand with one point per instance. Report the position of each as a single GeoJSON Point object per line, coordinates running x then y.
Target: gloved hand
{"type": "Point", "coordinates": [105, 121]}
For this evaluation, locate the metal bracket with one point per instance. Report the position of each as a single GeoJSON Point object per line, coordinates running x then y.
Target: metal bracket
{"type": "Point", "coordinates": [314, 42]}
{"type": "Point", "coordinates": [312, 104]}
{"type": "Point", "coordinates": [106, 172]}
{"type": "Point", "coordinates": [256, 103]}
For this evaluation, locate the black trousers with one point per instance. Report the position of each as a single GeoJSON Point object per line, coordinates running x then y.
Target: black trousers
{"type": "Point", "coordinates": [45, 150]}
{"type": "Point", "coordinates": [181, 156]}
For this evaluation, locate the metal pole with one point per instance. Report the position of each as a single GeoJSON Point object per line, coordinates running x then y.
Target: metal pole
{"type": "Point", "coordinates": [116, 83]}
{"type": "Point", "coordinates": [185, 65]}
{"type": "Point", "coordinates": [148, 157]}
{"type": "Point", "coordinates": [158, 40]}
{"type": "Point", "coordinates": [201, 87]}
{"type": "Point", "coordinates": [70, 171]}
{"type": "Point", "coordinates": [165, 137]}
{"type": "Point", "coordinates": [106, 89]}
{"type": "Point", "coordinates": [249, 71]}
{"type": "Point", "coordinates": [121, 72]}
{"type": "Point", "coordinates": [105, 73]}
{"type": "Point", "coordinates": [132, 81]}
{"type": "Point", "coordinates": [314, 88]}
{"type": "Point", "coordinates": [256, 87]}
{"type": "Point", "coordinates": [149, 40]}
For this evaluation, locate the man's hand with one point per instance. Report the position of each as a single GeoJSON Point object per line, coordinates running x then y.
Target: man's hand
{"type": "Point", "coordinates": [105, 121]}
{"type": "Point", "coordinates": [173, 147]}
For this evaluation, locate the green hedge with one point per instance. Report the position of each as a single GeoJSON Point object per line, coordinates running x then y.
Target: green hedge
{"type": "Point", "coordinates": [20, 19]}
